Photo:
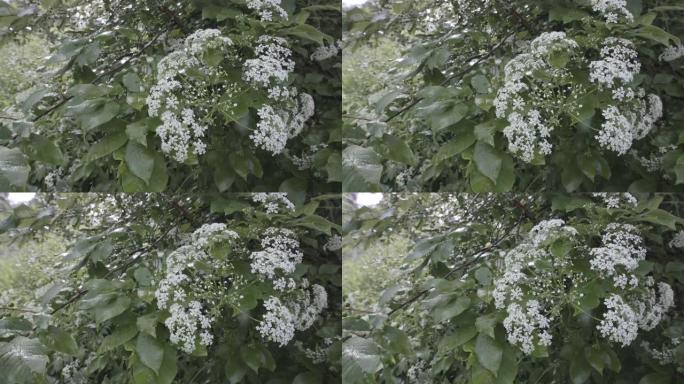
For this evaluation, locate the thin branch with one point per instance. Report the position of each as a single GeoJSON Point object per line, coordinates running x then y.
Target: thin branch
{"type": "Point", "coordinates": [110, 72]}
{"type": "Point", "coordinates": [19, 309]}
{"type": "Point", "coordinates": [463, 266]}
{"type": "Point", "coordinates": [478, 59]}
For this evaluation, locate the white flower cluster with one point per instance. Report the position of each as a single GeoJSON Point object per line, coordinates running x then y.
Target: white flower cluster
{"type": "Point", "coordinates": [613, 10]}
{"type": "Point", "coordinates": [618, 67]}
{"type": "Point", "coordinates": [620, 254]}
{"type": "Point", "coordinates": [280, 252]}
{"type": "Point", "coordinates": [518, 100]}
{"type": "Point", "coordinates": [272, 201]}
{"type": "Point", "coordinates": [182, 130]}
{"type": "Point", "coordinates": [622, 321]}
{"type": "Point", "coordinates": [677, 241]}
{"type": "Point", "coordinates": [419, 373]}
{"type": "Point", "coordinates": [672, 53]}
{"type": "Point", "coordinates": [619, 61]}
{"type": "Point", "coordinates": [178, 293]}
{"type": "Point", "coordinates": [334, 243]}
{"type": "Point", "coordinates": [270, 70]}
{"type": "Point", "coordinates": [523, 290]}
{"type": "Point", "coordinates": [522, 323]}
{"type": "Point", "coordinates": [297, 313]}
{"type": "Point", "coordinates": [324, 52]}
{"type": "Point", "coordinates": [319, 354]}
{"type": "Point", "coordinates": [654, 161]}
{"type": "Point", "coordinates": [267, 8]}
{"type": "Point", "coordinates": [665, 355]}
{"type": "Point", "coordinates": [615, 200]}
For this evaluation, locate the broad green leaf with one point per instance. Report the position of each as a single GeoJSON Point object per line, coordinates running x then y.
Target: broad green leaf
{"type": "Point", "coordinates": [148, 324]}
{"type": "Point", "coordinates": [655, 378]}
{"type": "Point", "coordinates": [480, 83]}
{"type": "Point", "coordinates": [455, 146]}
{"type": "Point", "coordinates": [150, 351]}
{"type": "Point", "coordinates": [487, 160]}
{"type": "Point", "coordinates": [486, 324]}
{"type": "Point", "coordinates": [131, 81]}
{"type": "Point", "coordinates": [120, 335]}
{"type": "Point", "coordinates": [366, 353]}
{"type": "Point", "coordinates": [140, 161]}
{"type": "Point", "coordinates": [307, 378]}
{"type": "Point", "coordinates": [168, 370]}
{"type": "Point", "coordinates": [398, 150]}
{"type": "Point", "coordinates": [456, 338]}
{"type": "Point", "coordinates": [579, 369]}
{"type": "Point", "coordinates": [98, 116]}
{"type": "Point", "coordinates": [489, 353]}
{"type": "Point", "coordinates": [14, 169]}
{"type": "Point", "coordinates": [138, 131]}
{"type": "Point", "coordinates": [451, 309]}
{"type": "Point", "coordinates": [361, 168]}
{"type": "Point", "coordinates": [60, 340]}
{"type": "Point", "coordinates": [20, 358]}
{"type": "Point", "coordinates": [308, 32]}
{"type": "Point", "coordinates": [107, 145]}
{"type": "Point", "coordinates": [111, 309]}
{"type": "Point", "coordinates": [251, 356]}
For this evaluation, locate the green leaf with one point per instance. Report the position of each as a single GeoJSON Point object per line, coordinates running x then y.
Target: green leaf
{"type": "Point", "coordinates": [455, 146]}
{"type": "Point", "coordinates": [661, 217]}
{"type": "Point", "coordinates": [489, 353]}
{"type": "Point", "coordinates": [296, 188]}
{"type": "Point", "coordinates": [140, 161]}
{"type": "Point", "coordinates": [120, 335]}
{"type": "Point", "coordinates": [456, 338]}
{"type": "Point", "coordinates": [509, 367]}
{"type": "Point", "coordinates": [307, 378]}
{"type": "Point", "coordinates": [138, 131]}
{"type": "Point", "coordinates": [398, 150]}
{"type": "Point", "coordinates": [485, 324]}
{"type": "Point", "coordinates": [655, 378]}
{"type": "Point", "coordinates": [148, 324]}
{"type": "Point", "coordinates": [451, 309]}
{"type": "Point", "coordinates": [131, 81]}
{"type": "Point", "coordinates": [308, 32]}
{"type": "Point", "coordinates": [14, 169]}
{"type": "Point", "coordinates": [366, 353]}
{"type": "Point", "coordinates": [98, 115]}
{"type": "Point", "coordinates": [13, 325]}
{"type": "Point", "coordinates": [168, 369]}
{"type": "Point", "coordinates": [361, 168]}
{"type": "Point", "coordinates": [334, 167]}
{"type": "Point", "coordinates": [143, 276]}
{"type": "Point", "coordinates": [679, 170]}
{"type": "Point", "coordinates": [480, 83]}
{"type": "Point", "coordinates": [112, 309]}
{"type": "Point", "coordinates": [487, 160]}
{"type": "Point", "coordinates": [150, 351]}
{"type": "Point", "coordinates": [59, 340]}
{"type": "Point", "coordinates": [107, 145]}
{"type": "Point", "coordinates": [87, 91]}
{"type": "Point", "coordinates": [20, 358]}
{"type": "Point", "coordinates": [579, 369]}
{"type": "Point", "coordinates": [251, 356]}
{"type": "Point", "coordinates": [386, 100]}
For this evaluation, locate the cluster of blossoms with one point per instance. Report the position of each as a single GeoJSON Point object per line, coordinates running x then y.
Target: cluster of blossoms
{"type": "Point", "coordinates": [280, 252]}
{"type": "Point", "coordinates": [297, 312]}
{"type": "Point", "coordinates": [612, 10]}
{"type": "Point", "coordinates": [518, 100]}
{"type": "Point", "coordinates": [634, 115]}
{"type": "Point", "coordinates": [267, 8]}
{"type": "Point", "coordinates": [654, 161]}
{"type": "Point", "coordinates": [672, 53]}
{"type": "Point", "coordinates": [623, 318]}
{"type": "Point", "coordinates": [527, 289]}
{"type": "Point", "coordinates": [621, 251]}
{"type": "Point", "coordinates": [273, 201]}
{"type": "Point", "coordinates": [419, 373]}
{"type": "Point", "coordinates": [319, 354]}
{"type": "Point", "coordinates": [678, 240]}
{"type": "Point", "coordinates": [665, 355]}
{"type": "Point", "coordinates": [615, 200]}
{"type": "Point", "coordinates": [334, 243]}
{"type": "Point", "coordinates": [270, 70]}
{"type": "Point", "coordinates": [178, 293]}
{"type": "Point", "coordinates": [180, 100]}
{"type": "Point", "coordinates": [324, 52]}
{"type": "Point", "coordinates": [639, 306]}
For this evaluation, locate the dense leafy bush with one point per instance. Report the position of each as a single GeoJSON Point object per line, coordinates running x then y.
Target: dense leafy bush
{"type": "Point", "coordinates": [574, 95]}
{"type": "Point", "coordinates": [519, 289]}
{"type": "Point", "coordinates": [200, 95]}
{"type": "Point", "coordinates": [153, 288]}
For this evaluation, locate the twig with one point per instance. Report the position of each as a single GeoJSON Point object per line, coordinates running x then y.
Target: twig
{"type": "Point", "coordinates": [18, 309]}
{"type": "Point", "coordinates": [471, 256]}
{"type": "Point", "coordinates": [479, 58]}
{"type": "Point", "coordinates": [111, 71]}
